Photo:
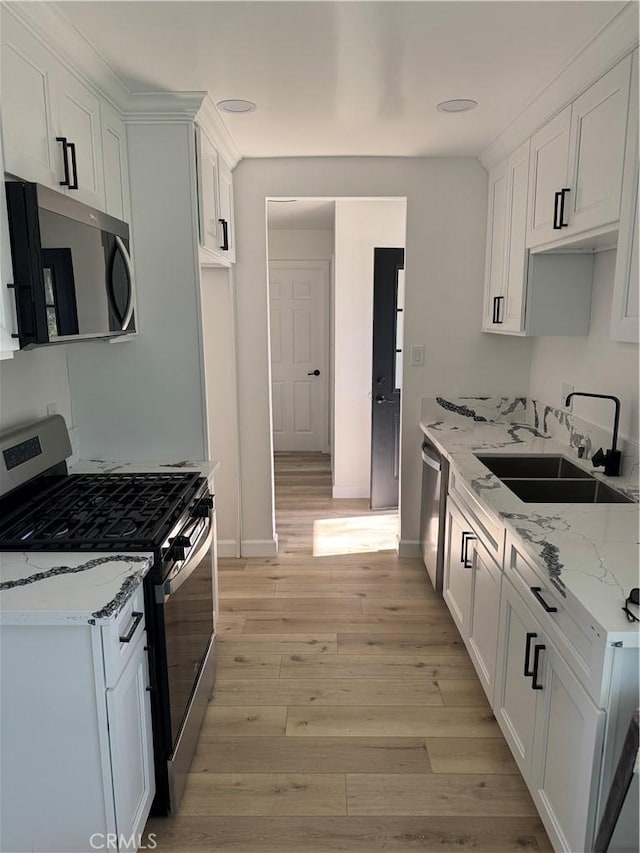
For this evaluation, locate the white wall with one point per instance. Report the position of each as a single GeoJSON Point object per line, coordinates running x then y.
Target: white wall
{"type": "Point", "coordinates": [361, 225]}
{"type": "Point", "coordinates": [30, 381]}
{"type": "Point", "coordinates": [593, 363]}
{"type": "Point", "coordinates": [446, 212]}
{"type": "Point", "coordinates": [142, 398]}
{"type": "Point", "coordinates": [300, 244]}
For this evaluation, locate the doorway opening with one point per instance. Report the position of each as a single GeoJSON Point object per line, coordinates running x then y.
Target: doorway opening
{"type": "Point", "coordinates": [321, 302]}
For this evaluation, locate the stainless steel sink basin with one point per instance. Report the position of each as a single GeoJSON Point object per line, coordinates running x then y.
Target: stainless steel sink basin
{"type": "Point", "coordinates": [533, 467]}
{"type": "Point", "coordinates": [565, 491]}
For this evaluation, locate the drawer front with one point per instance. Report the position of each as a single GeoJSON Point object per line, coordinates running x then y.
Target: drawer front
{"type": "Point", "coordinates": [490, 531]}
{"type": "Point", "coordinates": [577, 645]}
{"type": "Point", "coordinates": [119, 639]}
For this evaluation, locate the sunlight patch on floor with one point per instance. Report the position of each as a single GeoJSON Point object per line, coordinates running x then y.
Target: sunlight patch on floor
{"type": "Point", "coordinates": [358, 535]}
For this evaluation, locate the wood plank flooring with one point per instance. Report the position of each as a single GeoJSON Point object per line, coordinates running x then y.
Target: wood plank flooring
{"type": "Point", "coordinates": [346, 714]}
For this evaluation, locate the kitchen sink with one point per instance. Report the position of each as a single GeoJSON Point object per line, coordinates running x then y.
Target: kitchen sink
{"type": "Point", "coordinates": [565, 491]}
{"type": "Point", "coordinates": [550, 479]}
{"type": "Point", "coordinates": [534, 467]}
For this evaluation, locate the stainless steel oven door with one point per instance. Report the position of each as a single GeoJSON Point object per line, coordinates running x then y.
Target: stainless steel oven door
{"type": "Point", "coordinates": [188, 620]}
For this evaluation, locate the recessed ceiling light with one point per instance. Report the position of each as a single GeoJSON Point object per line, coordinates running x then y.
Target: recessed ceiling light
{"type": "Point", "coordinates": [236, 105]}
{"type": "Point", "coordinates": [457, 105]}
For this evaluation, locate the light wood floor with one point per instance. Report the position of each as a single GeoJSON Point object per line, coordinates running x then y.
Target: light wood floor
{"type": "Point", "coordinates": [346, 715]}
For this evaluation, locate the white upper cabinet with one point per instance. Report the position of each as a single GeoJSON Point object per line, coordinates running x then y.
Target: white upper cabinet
{"type": "Point", "coordinates": [506, 260]}
{"type": "Point", "coordinates": [577, 162]}
{"type": "Point", "coordinates": [57, 130]}
{"type": "Point", "coordinates": [548, 168]}
{"type": "Point", "coordinates": [79, 111]}
{"type": "Point", "coordinates": [116, 172]}
{"type": "Point", "coordinates": [29, 120]}
{"type": "Point", "coordinates": [215, 204]}
{"type": "Point", "coordinates": [597, 146]}
{"type": "Point", "coordinates": [624, 312]}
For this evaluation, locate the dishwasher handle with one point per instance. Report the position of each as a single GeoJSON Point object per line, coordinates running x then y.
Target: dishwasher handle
{"type": "Point", "coordinates": [431, 457]}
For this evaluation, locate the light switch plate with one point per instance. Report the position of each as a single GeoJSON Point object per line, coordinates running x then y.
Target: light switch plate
{"type": "Point", "coordinates": [417, 355]}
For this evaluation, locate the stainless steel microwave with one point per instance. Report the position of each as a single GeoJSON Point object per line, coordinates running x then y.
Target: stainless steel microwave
{"type": "Point", "coordinates": [73, 278]}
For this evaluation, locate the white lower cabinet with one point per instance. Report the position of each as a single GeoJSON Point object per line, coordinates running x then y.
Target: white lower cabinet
{"type": "Point", "coordinates": [458, 567]}
{"type": "Point", "coordinates": [553, 727]}
{"type": "Point", "coordinates": [75, 734]}
{"type": "Point", "coordinates": [484, 616]}
{"type": "Point", "coordinates": [131, 744]}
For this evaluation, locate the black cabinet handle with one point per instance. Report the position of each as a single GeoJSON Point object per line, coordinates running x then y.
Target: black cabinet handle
{"type": "Point", "coordinates": [562, 223]}
{"type": "Point", "coordinates": [225, 235]}
{"type": "Point", "coordinates": [137, 617]}
{"type": "Point", "coordinates": [556, 200]}
{"type": "Point", "coordinates": [314, 373]}
{"type": "Point", "coordinates": [536, 590]}
{"type": "Point", "coordinates": [65, 162]}
{"type": "Point", "coordinates": [528, 672]}
{"type": "Point", "coordinates": [500, 319]}
{"type": "Point", "coordinates": [467, 537]}
{"type": "Point", "coordinates": [496, 309]}
{"type": "Point", "coordinates": [74, 165]}
{"type": "Point", "coordinates": [536, 663]}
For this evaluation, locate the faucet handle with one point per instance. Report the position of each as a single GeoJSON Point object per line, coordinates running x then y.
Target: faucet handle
{"type": "Point", "coordinates": [598, 458]}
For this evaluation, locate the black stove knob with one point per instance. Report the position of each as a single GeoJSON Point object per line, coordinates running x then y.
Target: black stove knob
{"type": "Point", "coordinates": [201, 509]}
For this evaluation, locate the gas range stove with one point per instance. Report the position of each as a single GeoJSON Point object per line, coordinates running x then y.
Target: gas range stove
{"type": "Point", "coordinates": [103, 512]}
{"type": "Point", "coordinates": [172, 515]}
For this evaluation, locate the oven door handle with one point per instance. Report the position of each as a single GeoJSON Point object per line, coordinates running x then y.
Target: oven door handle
{"type": "Point", "coordinates": [173, 585]}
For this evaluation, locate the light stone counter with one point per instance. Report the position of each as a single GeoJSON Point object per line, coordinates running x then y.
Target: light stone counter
{"type": "Point", "coordinates": [62, 587]}
{"type": "Point", "coordinates": [589, 552]}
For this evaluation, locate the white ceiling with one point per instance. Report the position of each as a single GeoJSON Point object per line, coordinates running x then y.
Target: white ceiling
{"type": "Point", "coordinates": [347, 78]}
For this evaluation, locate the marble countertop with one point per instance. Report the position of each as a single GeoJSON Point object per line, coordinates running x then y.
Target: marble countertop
{"type": "Point", "coordinates": [101, 466]}
{"type": "Point", "coordinates": [63, 587]}
{"type": "Point", "coordinates": [589, 552]}
{"type": "Point", "coordinates": [44, 588]}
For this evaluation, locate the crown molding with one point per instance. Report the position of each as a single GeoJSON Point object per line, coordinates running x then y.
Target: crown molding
{"type": "Point", "coordinates": [617, 39]}
{"type": "Point", "coordinates": [210, 121]}
{"type": "Point", "coordinates": [163, 107]}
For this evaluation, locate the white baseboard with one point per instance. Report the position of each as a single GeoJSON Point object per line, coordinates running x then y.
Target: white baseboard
{"type": "Point", "coordinates": [409, 548]}
{"type": "Point", "coordinates": [350, 492]}
{"type": "Point", "coordinates": [259, 547]}
{"type": "Point", "coordinates": [227, 548]}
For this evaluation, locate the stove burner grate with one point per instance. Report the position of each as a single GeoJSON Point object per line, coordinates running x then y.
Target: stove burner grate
{"type": "Point", "coordinates": [97, 511]}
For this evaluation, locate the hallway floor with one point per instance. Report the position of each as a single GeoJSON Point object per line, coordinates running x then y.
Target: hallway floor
{"type": "Point", "coordinates": [346, 715]}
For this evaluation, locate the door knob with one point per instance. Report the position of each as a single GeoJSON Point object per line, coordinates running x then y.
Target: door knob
{"type": "Point", "coordinates": [380, 398]}
{"type": "Point", "coordinates": [314, 373]}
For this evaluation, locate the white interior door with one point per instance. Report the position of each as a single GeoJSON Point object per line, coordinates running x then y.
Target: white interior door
{"type": "Point", "coordinates": [298, 298]}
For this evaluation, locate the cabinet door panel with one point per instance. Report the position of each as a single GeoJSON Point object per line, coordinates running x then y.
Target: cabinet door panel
{"type": "Point", "coordinates": [496, 223]}
{"type": "Point", "coordinates": [512, 316]}
{"type": "Point", "coordinates": [598, 132]}
{"type": "Point", "coordinates": [208, 200]}
{"type": "Point", "coordinates": [515, 701]}
{"type": "Point", "coordinates": [484, 619]}
{"type": "Point", "coordinates": [568, 739]}
{"type": "Point", "coordinates": [226, 208]}
{"type": "Point", "coordinates": [80, 124]}
{"type": "Point", "coordinates": [457, 575]}
{"type": "Point", "coordinates": [624, 313]}
{"type": "Point", "coordinates": [548, 171]}
{"type": "Point", "coordinates": [116, 173]}
{"type": "Point", "coordinates": [131, 744]}
{"type": "Point", "coordinates": [29, 122]}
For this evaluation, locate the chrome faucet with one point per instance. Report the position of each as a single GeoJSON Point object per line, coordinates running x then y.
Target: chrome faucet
{"type": "Point", "coordinates": [611, 459]}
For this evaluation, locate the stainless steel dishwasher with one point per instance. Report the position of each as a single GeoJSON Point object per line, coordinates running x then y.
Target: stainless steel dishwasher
{"type": "Point", "coordinates": [435, 476]}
